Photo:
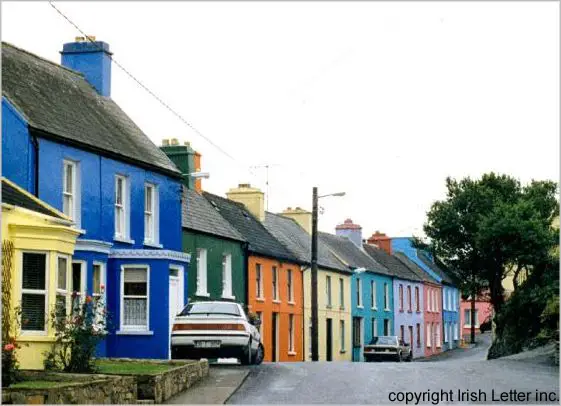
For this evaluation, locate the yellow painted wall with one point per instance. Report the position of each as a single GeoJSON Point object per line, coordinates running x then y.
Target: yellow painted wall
{"type": "Point", "coordinates": [30, 231]}
{"type": "Point", "coordinates": [335, 313]}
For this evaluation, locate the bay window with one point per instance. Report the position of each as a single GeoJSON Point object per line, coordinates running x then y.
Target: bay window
{"type": "Point", "coordinates": [34, 292]}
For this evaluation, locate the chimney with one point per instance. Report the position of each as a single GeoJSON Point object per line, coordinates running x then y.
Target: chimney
{"type": "Point", "coordinates": [382, 241]}
{"type": "Point", "coordinates": [301, 216]}
{"type": "Point", "coordinates": [350, 230]}
{"type": "Point", "coordinates": [251, 198]}
{"type": "Point", "coordinates": [198, 181]}
{"type": "Point", "coordinates": [183, 156]}
{"type": "Point", "coordinates": [91, 58]}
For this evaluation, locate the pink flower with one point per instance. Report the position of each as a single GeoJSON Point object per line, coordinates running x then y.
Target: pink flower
{"type": "Point", "coordinates": [102, 286]}
{"type": "Point", "coordinates": [9, 347]}
{"type": "Point", "coordinates": [88, 299]}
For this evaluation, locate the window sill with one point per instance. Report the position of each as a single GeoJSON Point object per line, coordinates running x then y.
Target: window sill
{"type": "Point", "coordinates": [276, 301]}
{"type": "Point", "coordinates": [201, 294]}
{"type": "Point", "coordinates": [134, 333]}
{"type": "Point", "coordinates": [360, 307]}
{"type": "Point", "coordinates": [260, 299]}
{"type": "Point", "coordinates": [123, 240]}
{"type": "Point", "coordinates": [409, 311]}
{"type": "Point", "coordinates": [292, 303]}
{"type": "Point", "coordinates": [152, 244]}
{"type": "Point", "coordinates": [292, 353]}
{"type": "Point", "coordinates": [342, 351]}
{"type": "Point", "coordinates": [374, 308]}
{"type": "Point", "coordinates": [417, 311]}
{"type": "Point", "coordinates": [229, 297]}
{"type": "Point", "coordinates": [387, 310]}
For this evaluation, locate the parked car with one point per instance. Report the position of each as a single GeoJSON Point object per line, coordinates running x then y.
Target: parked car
{"type": "Point", "coordinates": [486, 325]}
{"type": "Point", "coordinates": [387, 347]}
{"type": "Point", "coordinates": [216, 329]}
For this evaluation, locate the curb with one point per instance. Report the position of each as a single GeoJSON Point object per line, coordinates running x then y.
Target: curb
{"type": "Point", "coordinates": [238, 387]}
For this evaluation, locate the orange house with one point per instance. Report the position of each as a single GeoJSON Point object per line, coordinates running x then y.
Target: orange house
{"type": "Point", "coordinates": [274, 275]}
{"type": "Point", "coordinates": [275, 294]}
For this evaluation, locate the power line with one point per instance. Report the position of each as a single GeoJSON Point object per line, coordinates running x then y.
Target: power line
{"type": "Point", "coordinates": [168, 107]}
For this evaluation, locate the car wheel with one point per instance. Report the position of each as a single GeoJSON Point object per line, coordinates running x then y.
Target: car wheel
{"type": "Point", "coordinates": [259, 355]}
{"type": "Point", "coordinates": [399, 359]}
{"type": "Point", "coordinates": [410, 357]}
{"type": "Point", "coordinates": [245, 359]}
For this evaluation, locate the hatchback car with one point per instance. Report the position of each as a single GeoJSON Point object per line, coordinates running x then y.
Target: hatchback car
{"type": "Point", "coordinates": [216, 329]}
{"type": "Point", "coordinates": [387, 347]}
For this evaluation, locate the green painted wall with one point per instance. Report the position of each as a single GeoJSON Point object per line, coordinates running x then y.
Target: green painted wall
{"type": "Point", "coordinates": [216, 247]}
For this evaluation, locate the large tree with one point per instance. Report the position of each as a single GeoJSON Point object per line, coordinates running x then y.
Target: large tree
{"type": "Point", "coordinates": [488, 227]}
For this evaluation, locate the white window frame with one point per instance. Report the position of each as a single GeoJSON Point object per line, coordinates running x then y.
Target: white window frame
{"type": "Point", "coordinates": [386, 297]}
{"type": "Point", "coordinates": [290, 285]}
{"type": "Point", "coordinates": [438, 333]}
{"type": "Point", "coordinates": [400, 296]}
{"type": "Point", "coordinates": [373, 295]}
{"type": "Point", "coordinates": [374, 327]}
{"type": "Point", "coordinates": [74, 209]}
{"type": "Point", "coordinates": [342, 338]}
{"type": "Point", "coordinates": [81, 294]}
{"type": "Point", "coordinates": [181, 279]}
{"type": "Point", "coordinates": [227, 291]}
{"type": "Point", "coordinates": [429, 296]}
{"type": "Point", "coordinates": [122, 327]}
{"type": "Point", "coordinates": [275, 283]}
{"type": "Point", "coordinates": [359, 293]}
{"type": "Point", "coordinates": [259, 281]}
{"type": "Point", "coordinates": [64, 292]}
{"type": "Point", "coordinates": [467, 322]}
{"type": "Point", "coordinates": [328, 302]}
{"type": "Point", "coordinates": [417, 299]}
{"type": "Point", "coordinates": [409, 299]}
{"type": "Point", "coordinates": [446, 327]}
{"type": "Point", "coordinates": [429, 335]}
{"type": "Point", "coordinates": [341, 293]}
{"type": "Point", "coordinates": [455, 331]}
{"type": "Point", "coordinates": [202, 277]}
{"type": "Point", "coordinates": [44, 292]}
{"type": "Point", "coordinates": [291, 334]}
{"type": "Point", "coordinates": [102, 279]}
{"type": "Point", "coordinates": [154, 238]}
{"type": "Point", "coordinates": [125, 207]}
{"type": "Point", "coordinates": [436, 304]}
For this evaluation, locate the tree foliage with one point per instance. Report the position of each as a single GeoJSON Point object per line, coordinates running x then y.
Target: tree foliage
{"type": "Point", "coordinates": [487, 226]}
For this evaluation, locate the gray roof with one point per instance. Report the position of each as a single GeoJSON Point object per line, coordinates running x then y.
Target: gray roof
{"type": "Point", "coordinates": [396, 267]}
{"type": "Point", "coordinates": [351, 254]}
{"type": "Point", "coordinates": [198, 214]}
{"type": "Point", "coordinates": [260, 240]}
{"type": "Point", "coordinates": [435, 268]}
{"type": "Point", "coordinates": [416, 269]}
{"type": "Point", "coordinates": [14, 196]}
{"type": "Point", "coordinates": [60, 104]}
{"type": "Point", "coordinates": [297, 240]}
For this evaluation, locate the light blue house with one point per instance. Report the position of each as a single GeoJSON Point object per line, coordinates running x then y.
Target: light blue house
{"type": "Point", "coordinates": [66, 141]}
{"type": "Point", "coordinates": [450, 295]}
{"type": "Point", "coordinates": [372, 298]}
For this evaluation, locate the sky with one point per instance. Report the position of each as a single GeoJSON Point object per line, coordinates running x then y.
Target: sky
{"type": "Point", "coordinates": [380, 100]}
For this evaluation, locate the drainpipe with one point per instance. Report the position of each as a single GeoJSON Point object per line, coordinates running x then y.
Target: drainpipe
{"type": "Point", "coordinates": [35, 143]}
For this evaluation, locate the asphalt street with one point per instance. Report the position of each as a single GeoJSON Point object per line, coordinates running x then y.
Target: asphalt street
{"type": "Point", "coordinates": [460, 376]}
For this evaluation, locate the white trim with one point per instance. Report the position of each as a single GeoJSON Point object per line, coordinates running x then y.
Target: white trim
{"type": "Point", "coordinates": [181, 275]}
{"type": "Point", "coordinates": [66, 292]}
{"type": "Point", "coordinates": [44, 292]}
{"type": "Point", "coordinates": [275, 284]}
{"type": "Point", "coordinates": [124, 236]}
{"type": "Point", "coordinates": [149, 244]}
{"type": "Point", "coordinates": [93, 246]}
{"type": "Point", "coordinates": [155, 240]}
{"type": "Point", "coordinates": [386, 296]}
{"type": "Point", "coordinates": [373, 296]}
{"type": "Point", "coordinates": [134, 333]}
{"type": "Point", "coordinates": [359, 293]}
{"type": "Point", "coordinates": [227, 291]}
{"type": "Point", "coordinates": [102, 278]}
{"type": "Point", "coordinates": [202, 283]}
{"type": "Point", "coordinates": [134, 329]}
{"type": "Point", "coordinates": [76, 190]}
{"type": "Point", "coordinates": [150, 254]}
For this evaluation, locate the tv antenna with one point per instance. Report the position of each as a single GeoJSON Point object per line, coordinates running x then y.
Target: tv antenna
{"type": "Point", "coordinates": [266, 166]}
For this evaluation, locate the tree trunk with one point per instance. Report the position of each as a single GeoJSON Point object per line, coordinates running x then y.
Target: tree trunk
{"type": "Point", "coordinates": [497, 293]}
{"type": "Point", "coordinates": [473, 297]}
{"type": "Point", "coordinates": [515, 277]}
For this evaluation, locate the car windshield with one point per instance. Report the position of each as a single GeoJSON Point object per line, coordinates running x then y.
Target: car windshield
{"type": "Point", "coordinates": [384, 340]}
{"type": "Point", "coordinates": [230, 309]}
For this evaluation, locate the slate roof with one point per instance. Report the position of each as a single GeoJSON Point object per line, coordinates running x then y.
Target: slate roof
{"type": "Point", "coordinates": [62, 105]}
{"type": "Point", "coordinates": [260, 240]}
{"type": "Point", "coordinates": [413, 267]}
{"type": "Point", "coordinates": [351, 254]}
{"type": "Point", "coordinates": [437, 270]}
{"type": "Point", "coordinates": [297, 240]}
{"type": "Point", "coordinates": [14, 196]}
{"type": "Point", "coordinates": [396, 267]}
{"type": "Point", "coordinates": [198, 214]}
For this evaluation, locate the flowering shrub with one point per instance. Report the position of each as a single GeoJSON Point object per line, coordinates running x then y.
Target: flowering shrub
{"type": "Point", "coordinates": [10, 367]}
{"type": "Point", "coordinates": [77, 335]}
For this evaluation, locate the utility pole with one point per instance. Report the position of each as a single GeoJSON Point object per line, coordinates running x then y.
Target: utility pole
{"type": "Point", "coordinates": [314, 270]}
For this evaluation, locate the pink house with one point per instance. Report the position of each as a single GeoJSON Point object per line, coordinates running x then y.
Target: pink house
{"type": "Point", "coordinates": [483, 310]}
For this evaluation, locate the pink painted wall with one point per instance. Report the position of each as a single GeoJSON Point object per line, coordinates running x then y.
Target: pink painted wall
{"type": "Point", "coordinates": [484, 309]}
{"type": "Point", "coordinates": [432, 317]}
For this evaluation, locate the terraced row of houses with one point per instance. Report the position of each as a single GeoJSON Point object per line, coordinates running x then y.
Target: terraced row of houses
{"type": "Point", "coordinates": [90, 205]}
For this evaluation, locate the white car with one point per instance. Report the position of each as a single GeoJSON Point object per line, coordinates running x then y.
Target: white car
{"type": "Point", "coordinates": [216, 329]}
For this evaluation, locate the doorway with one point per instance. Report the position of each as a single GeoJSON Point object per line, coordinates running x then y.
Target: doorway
{"type": "Point", "coordinates": [357, 339]}
{"type": "Point", "coordinates": [275, 346]}
{"type": "Point", "coordinates": [175, 294]}
{"type": "Point", "coordinates": [329, 340]}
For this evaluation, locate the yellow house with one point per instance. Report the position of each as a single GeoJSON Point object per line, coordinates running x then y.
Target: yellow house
{"type": "Point", "coordinates": [37, 247]}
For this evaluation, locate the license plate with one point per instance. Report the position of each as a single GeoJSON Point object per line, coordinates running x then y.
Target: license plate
{"type": "Point", "coordinates": [207, 344]}
{"type": "Point", "coordinates": [387, 350]}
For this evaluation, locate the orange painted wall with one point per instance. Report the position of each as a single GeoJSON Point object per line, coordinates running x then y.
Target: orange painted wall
{"type": "Point", "coordinates": [267, 307]}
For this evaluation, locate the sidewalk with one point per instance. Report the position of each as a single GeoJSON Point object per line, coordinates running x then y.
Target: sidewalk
{"type": "Point", "coordinates": [221, 383]}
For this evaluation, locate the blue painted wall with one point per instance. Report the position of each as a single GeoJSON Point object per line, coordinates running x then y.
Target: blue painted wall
{"type": "Point", "coordinates": [450, 316]}
{"type": "Point", "coordinates": [92, 60]}
{"type": "Point", "coordinates": [366, 312]}
{"type": "Point", "coordinates": [406, 318]}
{"type": "Point", "coordinates": [403, 244]}
{"type": "Point", "coordinates": [18, 153]}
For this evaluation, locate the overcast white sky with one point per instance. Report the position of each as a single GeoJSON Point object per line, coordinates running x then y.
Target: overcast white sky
{"type": "Point", "coordinates": [380, 100]}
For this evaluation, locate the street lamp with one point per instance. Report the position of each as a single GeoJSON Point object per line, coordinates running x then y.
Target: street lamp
{"type": "Point", "coordinates": [199, 175]}
{"type": "Point", "coordinates": [315, 198]}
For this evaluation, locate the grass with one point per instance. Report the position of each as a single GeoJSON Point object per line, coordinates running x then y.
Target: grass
{"type": "Point", "coordinates": [38, 384]}
{"type": "Point", "coordinates": [130, 368]}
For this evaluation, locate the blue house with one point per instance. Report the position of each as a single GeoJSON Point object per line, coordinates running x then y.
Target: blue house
{"type": "Point", "coordinates": [450, 303]}
{"type": "Point", "coordinates": [372, 299]}
{"type": "Point", "coordinates": [67, 142]}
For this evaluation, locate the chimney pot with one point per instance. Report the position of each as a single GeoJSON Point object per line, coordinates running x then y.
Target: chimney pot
{"type": "Point", "coordinates": [174, 141]}
{"type": "Point", "coordinates": [187, 143]}
{"type": "Point", "coordinates": [79, 39]}
{"type": "Point", "coordinates": [165, 142]}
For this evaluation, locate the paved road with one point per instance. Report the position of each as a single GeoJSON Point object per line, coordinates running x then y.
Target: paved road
{"type": "Point", "coordinates": [379, 383]}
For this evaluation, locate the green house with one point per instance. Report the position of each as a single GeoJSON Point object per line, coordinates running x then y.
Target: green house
{"type": "Point", "coordinates": [218, 251]}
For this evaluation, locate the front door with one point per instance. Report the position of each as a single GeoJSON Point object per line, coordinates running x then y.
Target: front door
{"type": "Point", "coordinates": [175, 300]}
{"type": "Point", "coordinates": [274, 337]}
{"type": "Point", "coordinates": [329, 340]}
{"type": "Point", "coordinates": [357, 339]}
